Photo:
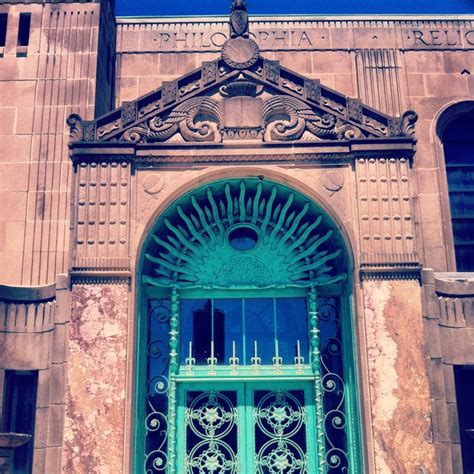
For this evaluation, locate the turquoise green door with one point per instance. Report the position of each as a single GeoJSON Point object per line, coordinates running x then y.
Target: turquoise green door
{"type": "Point", "coordinates": [246, 427]}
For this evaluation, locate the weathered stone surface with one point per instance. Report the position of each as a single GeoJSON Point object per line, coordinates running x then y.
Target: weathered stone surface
{"type": "Point", "coordinates": [399, 393]}
{"type": "Point", "coordinates": [95, 407]}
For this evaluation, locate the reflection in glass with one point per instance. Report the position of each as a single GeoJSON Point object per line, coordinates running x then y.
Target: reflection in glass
{"type": "Point", "coordinates": [253, 324]}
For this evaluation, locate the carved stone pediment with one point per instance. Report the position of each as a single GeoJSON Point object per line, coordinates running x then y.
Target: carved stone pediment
{"type": "Point", "coordinates": [241, 96]}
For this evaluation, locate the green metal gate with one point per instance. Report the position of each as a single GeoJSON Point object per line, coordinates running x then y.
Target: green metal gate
{"type": "Point", "coordinates": [246, 427]}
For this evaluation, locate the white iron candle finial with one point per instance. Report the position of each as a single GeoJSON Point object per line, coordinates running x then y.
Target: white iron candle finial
{"type": "Point", "coordinates": [255, 360]}
{"type": "Point", "coordinates": [212, 361]}
{"type": "Point", "coordinates": [234, 360]}
{"type": "Point", "coordinates": [299, 359]}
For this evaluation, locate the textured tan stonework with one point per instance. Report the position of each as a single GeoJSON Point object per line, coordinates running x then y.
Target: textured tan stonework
{"type": "Point", "coordinates": [94, 427]}
{"type": "Point", "coordinates": [397, 377]}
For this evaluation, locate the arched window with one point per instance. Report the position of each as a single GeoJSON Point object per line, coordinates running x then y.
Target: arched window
{"type": "Point", "coordinates": [245, 359]}
{"type": "Point", "coordinates": [458, 140]}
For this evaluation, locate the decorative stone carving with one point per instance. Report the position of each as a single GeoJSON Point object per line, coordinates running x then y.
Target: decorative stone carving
{"type": "Point", "coordinates": [409, 119]}
{"type": "Point", "coordinates": [168, 114]}
{"type": "Point", "coordinates": [129, 112]}
{"type": "Point", "coordinates": [198, 119]}
{"type": "Point", "coordinates": [239, 19]}
{"type": "Point", "coordinates": [108, 128]}
{"type": "Point", "coordinates": [209, 72]}
{"type": "Point", "coordinates": [333, 181]}
{"type": "Point", "coordinates": [241, 87]}
{"type": "Point", "coordinates": [287, 118]}
{"type": "Point", "coordinates": [103, 213]}
{"type": "Point", "coordinates": [169, 92]}
{"type": "Point", "coordinates": [292, 86]}
{"type": "Point", "coordinates": [233, 133]}
{"type": "Point", "coordinates": [88, 130]}
{"type": "Point", "coordinates": [153, 183]}
{"type": "Point", "coordinates": [354, 110]}
{"type": "Point", "coordinates": [394, 127]}
{"type": "Point", "coordinates": [332, 104]}
{"type": "Point", "coordinates": [240, 53]}
{"type": "Point", "coordinates": [74, 122]}
{"type": "Point", "coordinates": [271, 71]}
{"type": "Point", "coordinates": [385, 207]}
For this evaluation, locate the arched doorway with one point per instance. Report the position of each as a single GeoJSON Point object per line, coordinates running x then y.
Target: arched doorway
{"type": "Point", "coordinates": [245, 349]}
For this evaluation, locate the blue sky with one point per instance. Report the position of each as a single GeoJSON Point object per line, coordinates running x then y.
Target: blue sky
{"type": "Point", "coordinates": [262, 7]}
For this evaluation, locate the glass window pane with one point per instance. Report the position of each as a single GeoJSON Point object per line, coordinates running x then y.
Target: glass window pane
{"type": "Point", "coordinates": [259, 326]}
{"type": "Point", "coordinates": [292, 325]}
{"type": "Point", "coordinates": [201, 338]}
{"type": "Point", "coordinates": [232, 312]}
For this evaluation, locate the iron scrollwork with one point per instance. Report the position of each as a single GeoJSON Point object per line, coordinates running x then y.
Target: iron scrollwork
{"type": "Point", "coordinates": [156, 421]}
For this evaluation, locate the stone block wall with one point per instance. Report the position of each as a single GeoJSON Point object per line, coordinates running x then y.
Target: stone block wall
{"type": "Point", "coordinates": [53, 77]}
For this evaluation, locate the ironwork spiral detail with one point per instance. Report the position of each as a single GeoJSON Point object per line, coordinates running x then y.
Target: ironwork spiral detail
{"type": "Point", "coordinates": [337, 459]}
{"type": "Point", "coordinates": [280, 416]}
{"type": "Point", "coordinates": [157, 389]}
{"type": "Point", "coordinates": [279, 456]}
{"type": "Point", "coordinates": [279, 413]}
{"type": "Point", "coordinates": [212, 457]}
{"type": "Point", "coordinates": [211, 415]}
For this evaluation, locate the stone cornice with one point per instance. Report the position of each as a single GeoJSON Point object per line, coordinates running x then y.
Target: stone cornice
{"type": "Point", "coordinates": [284, 19]}
{"type": "Point", "coordinates": [252, 153]}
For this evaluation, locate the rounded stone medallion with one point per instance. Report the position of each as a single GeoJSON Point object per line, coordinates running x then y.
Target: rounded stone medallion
{"type": "Point", "coordinates": [240, 53]}
{"type": "Point", "coordinates": [153, 183]}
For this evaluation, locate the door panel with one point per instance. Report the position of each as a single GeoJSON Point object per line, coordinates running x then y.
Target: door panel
{"type": "Point", "coordinates": [249, 427]}
{"type": "Point", "coordinates": [280, 441]}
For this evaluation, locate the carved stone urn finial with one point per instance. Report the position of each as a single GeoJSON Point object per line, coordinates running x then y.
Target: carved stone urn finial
{"type": "Point", "coordinates": [239, 19]}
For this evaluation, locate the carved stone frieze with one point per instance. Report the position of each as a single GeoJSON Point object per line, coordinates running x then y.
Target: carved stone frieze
{"type": "Point", "coordinates": [197, 119]}
{"type": "Point", "coordinates": [287, 118]}
{"type": "Point", "coordinates": [189, 108]}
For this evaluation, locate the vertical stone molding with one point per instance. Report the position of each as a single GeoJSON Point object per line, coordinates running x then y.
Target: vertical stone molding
{"type": "Point", "coordinates": [95, 412]}
{"type": "Point", "coordinates": [399, 393]}
{"type": "Point", "coordinates": [34, 324]}
{"type": "Point", "coordinates": [378, 79]}
{"type": "Point", "coordinates": [103, 216]}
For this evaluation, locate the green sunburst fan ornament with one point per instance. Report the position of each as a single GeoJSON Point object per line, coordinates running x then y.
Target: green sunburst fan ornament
{"type": "Point", "coordinates": [243, 234]}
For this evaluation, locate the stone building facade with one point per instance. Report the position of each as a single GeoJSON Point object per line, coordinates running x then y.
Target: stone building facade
{"type": "Point", "coordinates": [259, 132]}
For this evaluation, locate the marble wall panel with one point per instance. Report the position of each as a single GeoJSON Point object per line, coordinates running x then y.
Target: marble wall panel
{"type": "Point", "coordinates": [95, 406]}
{"type": "Point", "coordinates": [398, 381]}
